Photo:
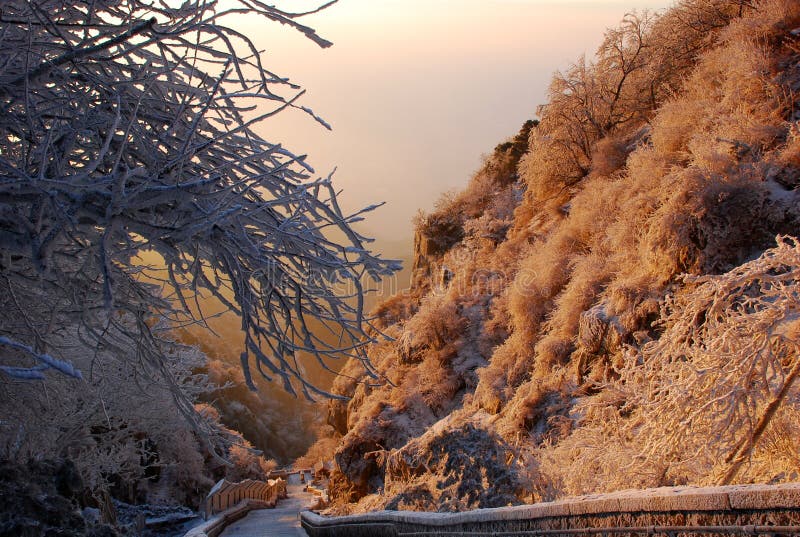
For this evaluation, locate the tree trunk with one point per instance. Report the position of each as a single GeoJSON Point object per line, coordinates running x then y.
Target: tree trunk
{"type": "Point", "coordinates": [746, 449]}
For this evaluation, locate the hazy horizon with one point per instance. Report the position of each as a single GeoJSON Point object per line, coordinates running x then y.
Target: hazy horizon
{"type": "Point", "coordinates": [417, 91]}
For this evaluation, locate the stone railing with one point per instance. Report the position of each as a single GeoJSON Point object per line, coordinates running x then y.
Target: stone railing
{"type": "Point", "coordinates": [670, 511]}
{"type": "Point", "coordinates": [225, 494]}
{"type": "Point", "coordinates": [321, 494]}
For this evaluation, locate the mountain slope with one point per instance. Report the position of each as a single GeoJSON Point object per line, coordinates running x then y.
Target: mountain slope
{"type": "Point", "coordinates": [549, 307]}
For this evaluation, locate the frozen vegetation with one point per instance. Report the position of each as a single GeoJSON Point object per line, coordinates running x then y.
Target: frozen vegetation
{"type": "Point", "coordinates": [137, 202]}
{"type": "Point", "coordinates": [612, 302]}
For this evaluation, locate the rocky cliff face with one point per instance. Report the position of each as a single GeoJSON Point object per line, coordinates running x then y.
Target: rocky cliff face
{"type": "Point", "coordinates": [437, 233]}
{"type": "Point", "coordinates": [522, 363]}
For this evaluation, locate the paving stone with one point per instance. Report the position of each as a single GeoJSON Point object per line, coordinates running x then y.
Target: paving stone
{"type": "Point", "coordinates": [282, 521]}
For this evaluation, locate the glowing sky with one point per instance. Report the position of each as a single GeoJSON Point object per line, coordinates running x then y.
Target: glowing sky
{"type": "Point", "coordinates": [417, 90]}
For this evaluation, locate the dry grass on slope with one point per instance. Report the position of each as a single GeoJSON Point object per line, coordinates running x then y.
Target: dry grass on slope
{"type": "Point", "coordinates": [702, 197]}
{"type": "Point", "coordinates": [698, 197]}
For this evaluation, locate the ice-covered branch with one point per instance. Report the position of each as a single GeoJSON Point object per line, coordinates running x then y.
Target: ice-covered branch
{"type": "Point", "coordinates": [122, 137]}
{"type": "Point", "coordinates": [34, 372]}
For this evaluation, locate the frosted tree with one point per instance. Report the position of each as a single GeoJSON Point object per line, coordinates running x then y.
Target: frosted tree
{"type": "Point", "coordinates": [132, 185]}
{"type": "Point", "coordinates": [708, 388]}
{"type": "Point", "coordinates": [706, 401]}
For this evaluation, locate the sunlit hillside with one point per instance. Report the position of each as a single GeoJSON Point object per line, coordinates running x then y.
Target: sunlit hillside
{"type": "Point", "coordinates": [606, 305]}
{"type": "Point", "coordinates": [192, 317]}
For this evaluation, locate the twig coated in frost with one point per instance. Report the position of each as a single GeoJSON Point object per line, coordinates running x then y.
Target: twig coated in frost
{"type": "Point", "coordinates": [128, 130]}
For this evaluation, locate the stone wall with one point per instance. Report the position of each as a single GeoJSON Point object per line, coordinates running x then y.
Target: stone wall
{"type": "Point", "coordinates": [737, 505]}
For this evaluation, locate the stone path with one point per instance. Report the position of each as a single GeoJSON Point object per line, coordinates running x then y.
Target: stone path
{"type": "Point", "coordinates": [282, 521]}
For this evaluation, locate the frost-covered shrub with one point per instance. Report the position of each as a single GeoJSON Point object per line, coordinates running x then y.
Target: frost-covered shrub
{"type": "Point", "coordinates": [459, 468]}
{"type": "Point", "coordinates": [395, 309]}
{"type": "Point", "coordinates": [436, 326]}
{"type": "Point", "coordinates": [712, 400]}
{"type": "Point", "coordinates": [322, 450]}
{"type": "Point", "coordinates": [608, 156]}
{"type": "Point", "coordinates": [247, 462]}
{"type": "Point", "coordinates": [125, 429]}
{"type": "Point", "coordinates": [725, 362]}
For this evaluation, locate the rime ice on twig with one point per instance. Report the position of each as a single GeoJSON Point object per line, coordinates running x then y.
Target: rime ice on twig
{"type": "Point", "coordinates": [127, 128]}
{"type": "Point", "coordinates": [725, 362]}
